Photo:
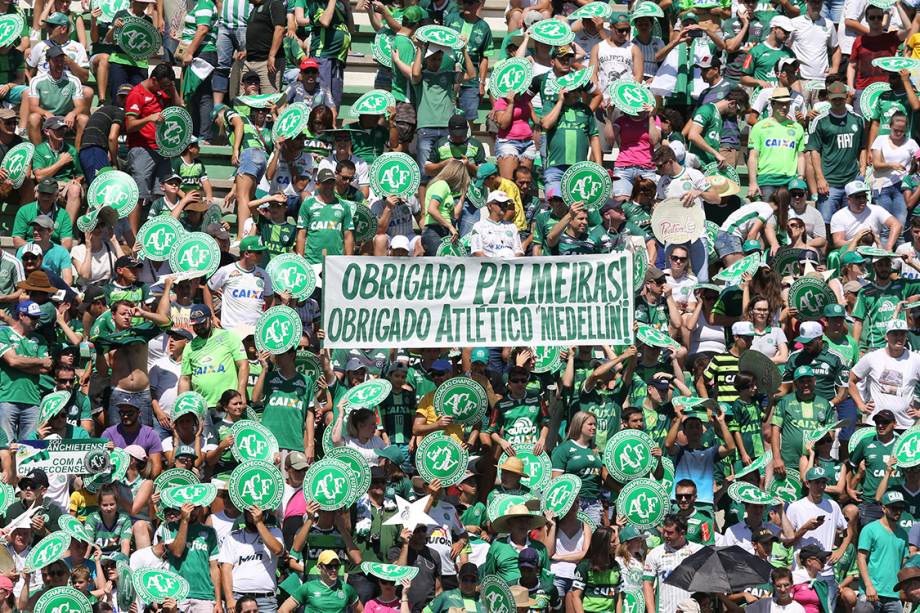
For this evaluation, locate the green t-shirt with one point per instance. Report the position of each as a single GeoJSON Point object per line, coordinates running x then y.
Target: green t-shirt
{"type": "Point", "coordinates": [888, 104]}
{"type": "Point", "coordinates": [286, 403]}
{"type": "Point", "coordinates": [333, 41]}
{"type": "Point", "coordinates": [194, 564]}
{"type": "Point", "coordinates": [838, 140]}
{"type": "Point", "coordinates": [326, 225]}
{"type": "Point", "coordinates": [478, 40]}
{"type": "Point", "coordinates": [700, 528]}
{"type": "Point", "coordinates": [568, 142]}
{"type": "Point", "coordinates": [451, 600]}
{"type": "Point", "coordinates": [369, 144]}
{"type": "Point", "coordinates": [204, 13]}
{"type": "Point", "coordinates": [830, 371]}
{"type": "Point", "coordinates": [779, 145]}
{"type": "Point", "coordinates": [397, 412]}
{"type": "Point", "coordinates": [874, 454]}
{"type": "Point", "coordinates": [519, 420]}
{"type": "Point", "coordinates": [27, 213]}
{"type": "Point", "coordinates": [278, 238]}
{"type": "Point", "coordinates": [44, 157]}
{"type": "Point", "coordinates": [573, 459]}
{"type": "Point", "coordinates": [502, 559]}
{"type": "Point", "coordinates": [745, 420]}
{"type": "Point", "coordinates": [316, 596]}
{"type": "Point", "coordinates": [887, 550]}
{"type": "Point", "coordinates": [253, 136]}
{"type": "Point", "coordinates": [405, 50]}
{"type": "Point", "coordinates": [599, 587]}
{"type": "Point", "coordinates": [795, 417]}
{"type": "Point", "coordinates": [319, 539]}
{"type": "Point", "coordinates": [192, 173]}
{"type": "Point", "coordinates": [436, 98]}
{"type": "Point", "coordinates": [17, 385]}
{"type": "Point", "coordinates": [710, 120]}
{"type": "Point", "coordinates": [211, 363]}
{"type": "Point", "coordinates": [108, 537]}
{"type": "Point", "coordinates": [603, 403]}
{"type": "Point", "coordinates": [761, 60]}
{"type": "Point", "coordinates": [56, 96]}
{"type": "Point", "coordinates": [875, 305]}
{"type": "Point", "coordinates": [440, 192]}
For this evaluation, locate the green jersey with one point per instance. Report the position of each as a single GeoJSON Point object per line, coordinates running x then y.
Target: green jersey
{"type": "Point", "coordinates": [720, 374]}
{"type": "Point", "coordinates": [478, 36]}
{"type": "Point", "coordinates": [440, 192]}
{"type": "Point", "coordinates": [598, 587]}
{"type": "Point", "coordinates": [875, 305]}
{"type": "Point", "coordinates": [58, 96]}
{"type": "Point", "coordinates": [192, 173]}
{"type": "Point", "coordinates": [211, 363]}
{"type": "Point", "coordinates": [204, 13]}
{"type": "Point", "coordinates": [700, 528]}
{"type": "Point", "coordinates": [519, 420]}
{"type": "Point", "coordinates": [316, 596]}
{"type": "Point", "coordinates": [27, 213]}
{"type": "Point", "coordinates": [889, 103]}
{"type": "Point", "coordinates": [405, 49]}
{"type": "Point", "coordinates": [571, 458]}
{"type": "Point", "coordinates": [319, 539]}
{"type": "Point", "coordinates": [779, 145]}
{"type": "Point", "coordinates": [830, 371]}
{"type": "Point", "coordinates": [874, 455]}
{"type": "Point", "coordinates": [369, 144]}
{"type": "Point", "coordinates": [847, 349]}
{"type": "Point", "coordinates": [286, 408]}
{"type": "Point", "coordinates": [45, 157]}
{"type": "Point", "coordinates": [451, 601]}
{"type": "Point", "coordinates": [761, 60]}
{"type": "Point", "coordinates": [17, 385]}
{"type": "Point", "coordinates": [502, 559]}
{"type": "Point", "coordinates": [746, 420]}
{"type": "Point", "coordinates": [108, 536]}
{"type": "Point", "coordinates": [795, 417]}
{"type": "Point", "coordinates": [603, 404]}
{"type": "Point", "coordinates": [334, 40]}
{"type": "Point", "coordinates": [709, 119]}
{"type": "Point", "coordinates": [194, 564]}
{"type": "Point", "coordinates": [278, 238]}
{"type": "Point", "coordinates": [838, 140]}
{"type": "Point", "coordinates": [397, 412]}
{"type": "Point", "coordinates": [326, 224]}
{"type": "Point", "coordinates": [254, 137]}
{"type": "Point", "coordinates": [568, 142]}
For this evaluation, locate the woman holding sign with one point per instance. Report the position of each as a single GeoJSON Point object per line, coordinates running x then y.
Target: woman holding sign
{"type": "Point", "coordinates": [443, 203]}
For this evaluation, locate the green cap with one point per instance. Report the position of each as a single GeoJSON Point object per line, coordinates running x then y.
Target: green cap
{"type": "Point", "coordinates": [803, 371]}
{"type": "Point", "coordinates": [480, 354]}
{"type": "Point", "coordinates": [834, 310]}
{"type": "Point", "coordinates": [892, 497]}
{"type": "Point", "coordinates": [185, 450]}
{"type": "Point", "coordinates": [630, 532]}
{"type": "Point", "coordinates": [217, 109]}
{"type": "Point", "coordinates": [852, 257]}
{"type": "Point", "coordinates": [815, 472]}
{"type": "Point", "coordinates": [392, 453]}
{"type": "Point", "coordinates": [486, 170]}
{"type": "Point", "coordinates": [252, 243]}
{"type": "Point", "coordinates": [57, 19]}
{"type": "Point", "coordinates": [619, 18]}
{"type": "Point", "coordinates": [751, 246]}
{"type": "Point", "coordinates": [413, 14]}
{"type": "Point", "coordinates": [689, 17]}
{"type": "Point", "coordinates": [797, 183]}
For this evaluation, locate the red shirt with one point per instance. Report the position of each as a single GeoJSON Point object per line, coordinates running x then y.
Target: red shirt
{"type": "Point", "coordinates": [867, 48]}
{"type": "Point", "coordinates": [142, 103]}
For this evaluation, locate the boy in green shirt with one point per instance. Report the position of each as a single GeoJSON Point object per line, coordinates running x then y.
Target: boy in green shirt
{"type": "Point", "coordinates": [324, 225]}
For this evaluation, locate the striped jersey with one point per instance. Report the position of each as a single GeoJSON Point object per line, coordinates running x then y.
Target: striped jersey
{"type": "Point", "coordinates": [204, 13]}
{"type": "Point", "coordinates": [721, 374]}
{"type": "Point", "coordinates": [234, 13]}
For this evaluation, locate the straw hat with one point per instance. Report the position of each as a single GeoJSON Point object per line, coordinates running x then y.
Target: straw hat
{"type": "Point", "coordinates": [515, 511]}
{"type": "Point", "coordinates": [522, 599]}
{"type": "Point", "coordinates": [513, 464]}
{"type": "Point", "coordinates": [723, 186]}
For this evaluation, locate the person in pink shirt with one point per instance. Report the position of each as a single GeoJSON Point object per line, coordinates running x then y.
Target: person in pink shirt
{"type": "Point", "coordinates": [388, 601]}
{"type": "Point", "coordinates": [636, 137]}
{"type": "Point", "coordinates": [514, 142]}
{"type": "Point", "coordinates": [811, 563]}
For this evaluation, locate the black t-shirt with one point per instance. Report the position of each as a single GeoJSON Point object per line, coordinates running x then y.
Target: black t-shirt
{"type": "Point", "coordinates": [4, 148]}
{"type": "Point", "coordinates": [263, 20]}
{"type": "Point", "coordinates": [96, 132]}
{"type": "Point", "coordinates": [429, 569]}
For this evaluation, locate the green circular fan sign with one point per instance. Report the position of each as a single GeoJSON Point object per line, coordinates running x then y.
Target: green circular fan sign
{"type": "Point", "coordinates": [189, 402]}
{"type": "Point", "coordinates": [633, 600]}
{"type": "Point", "coordinates": [750, 494]}
{"type": "Point", "coordinates": [588, 183]}
{"type": "Point", "coordinates": [896, 64]}
{"type": "Point", "coordinates": [389, 572]}
{"type": "Point", "coordinates": [11, 26]}
{"type": "Point", "coordinates": [511, 76]}
{"type": "Point", "coordinates": [374, 102]}
{"type": "Point", "coordinates": [116, 189]}
{"type": "Point", "coordinates": [48, 550]}
{"type": "Point", "coordinates": [647, 9]}
{"type": "Point", "coordinates": [395, 174]}
{"type": "Point", "coordinates": [16, 161]}
{"type": "Point", "coordinates": [667, 478]}
{"type": "Point", "coordinates": [574, 80]}
{"type": "Point", "coordinates": [52, 404]}
{"type": "Point", "coordinates": [756, 465]}
{"type": "Point", "coordinates": [368, 394]}
{"type": "Point", "coordinates": [256, 484]}
{"type": "Point", "coordinates": [870, 251]}
{"type": "Point", "coordinates": [788, 489]}
{"type": "Point", "coordinates": [640, 266]}
{"type": "Point", "coordinates": [810, 295]}
{"type": "Point", "coordinates": [452, 248]}
{"type": "Point", "coordinates": [359, 467]}
{"type": "Point", "coordinates": [734, 273]}
{"type": "Point", "coordinates": [157, 236]}
{"type": "Point", "coordinates": [7, 496]}
{"type": "Point", "coordinates": [441, 457]}
{"type": "Point", "coordinates": [308, 363]}
{"type": "Point", "coordinates": [330, 484]}
{"type": "Point", "coordinates": [813, 436]}
{"type": "Point", "coordinates": [786, 261]}
{"type": "Point", "coordinates": [138, 38]}
{"type": "Point", "coordinates": [868, 100]}
{"type": "Point", "coordinates": [174, 476]}
{"type": "Point", "coordinates": [475, 194]}
{"type": "Point", "coordinates": [126, 592]}
{"type": "Point", "coordinates": [907, 449]}
{"type": "Point", "coordinates": [253, 441]}
{"type": "Point", "coordinates": [292, 122]}
{"type": "Point", "coordinates": [653, 337]}
{"type": "Point", "coordinates": [547, 359]}
{"type": "Point", "coordinates": [629, 96]}
{"type": "Point", "coordinates": [643, 502]}
{"type": "Point", "coordinates": [382, 47]}
{"type": "Point", "coordinates": [156, 585]}
{"type": "Point", "coordinates": [440, 35]}
{"type": "Point", "coordinates": [291, 272]}
{"type": "Point", "coordinates": [260, 101]}
{"type": "Point", "coordinates": [591, 10]}
{"type": "Point", "coordinates": [278, 329]}
{"type": "Point", "coordinates": [75, 528]}
{"type": "Point", "coordinates": [859, 435]}
{"type": "Point", "coordinates": [552, 32]}
{"type": "Point", "coordinates": [63, 599]}
{"type": "Point", "coordinates": [560, 494]}
{"type": "Point", "coordinates": [500, 504]}
{"type": "Point", "coordinates": [462, 399]}
{"type": "Point", "coordinates": [174, 131]}
{"type": "Point", "coordinates": [496, 596]}
{"type": "Point", "coordinates": [365, 223]}
{"type": "Point", "coordinates": [628, 455]}
{"type": "Point", "coordinates": [195, 494]}
{"type": "Point", "coordinates": [538, 469]}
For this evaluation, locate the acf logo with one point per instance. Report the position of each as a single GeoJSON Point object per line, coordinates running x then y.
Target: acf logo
{"type": "Point", "coordinates": [49, 553]}
{"type": "Point", "coordinates": [257, 488]}
{"type": "Point", "coordinates": [17, 162]}
{"type": "Point", "coordinates": [441, 459]}
{"type": "Point", "coordinates": [161, 239]}
{"type": "Point", "coordinates": [395, 177]}
{"type": "Point", "coordinates": [461, 403]}
{"type": "Point", "coordinates": [278, 331]}
{"type": "Point", "coordinates": [6, 29]}
{"type": "Point", "coordinates": [510, 79]}
{"type": "Point", "coordinates": [496, 602]}
{"type": "Point", "coordinates": [329, 487]}
{"type": "Point", "coordinates": [157, 583]}
{"type": "Point", "coordinates": [112, 195]}
{"type": "Point", "coordinates": [644, 506]}
{"type": "Point", "coordinates": [585, 188]}
{"type": "Point", "coordinates": [440, 37]}
{"type": "Point", "coordinates": [554, 28]}
{"type": "Point", "coordinates": [288, 121]}
{"type": "Point", "coordinates": [558, 496]}
{"type": "Point", "coordinates": [189, 492]}
{"type": "Point", "coordinates": [173, 132]}
{"type": "Point", "coordinates": [292, 277]}
{"type": "Point", "coordinates": [135, 38]}
{"type": "Point", "coordinates": [195, 256]}
{"type": "Point", "coordinates": [253, 445]}
{"type": "Point", "coordinates": [632, 455]}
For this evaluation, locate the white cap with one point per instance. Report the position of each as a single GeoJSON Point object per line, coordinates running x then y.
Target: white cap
{"type": "Point", "coordinates": [896, 325]}
{"type": "Point", "coordinates": [33, 249]}
{"type": "Point", "coordinates": [400, 242]}
{"type": "Point", "coordinates": [743, 328]}
{"type": "Point", "coordinates": [809, 331]}
{"type": "Point", "coordinates": [434, 48]}
{"type": "Point", "coordinates": [498, 196]}
{"type": "Point", "coordinates": [781, 21]}
{"type": "Point", "coordinates": [855, 187]}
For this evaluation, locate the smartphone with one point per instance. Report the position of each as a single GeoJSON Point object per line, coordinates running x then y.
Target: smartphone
{"type": "Point", "coordinates": [696, 33]}
{"type": "Point", "coordinates": [821, 519]}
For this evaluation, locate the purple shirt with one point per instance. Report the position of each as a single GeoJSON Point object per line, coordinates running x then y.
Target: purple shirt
{"type": "Point", "coordinates": [146, 437]}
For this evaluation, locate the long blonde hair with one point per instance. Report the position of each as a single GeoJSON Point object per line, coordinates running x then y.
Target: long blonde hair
{"type": "Point", "coordinates": [577, 423]}
{"type": "Point", "coordinates": [455, 175]}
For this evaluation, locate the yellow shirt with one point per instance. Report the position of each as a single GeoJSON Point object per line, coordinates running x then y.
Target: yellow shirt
{"type": "Point", "coordinates": [425, 408]}
{"type": "Point", "coordinates": [913, 45]}
{"type": "Point", "coordinates": [82, 503]}
{"type": "Point", "coordinates": [511, 188]}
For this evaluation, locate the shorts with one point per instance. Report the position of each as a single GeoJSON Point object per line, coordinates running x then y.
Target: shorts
{"type": "Point", "coordinates": [515, 148]}
{"type": "Point", "coordinates": [14, 96]}
{"type": "Point", "coordinates": [147, 168]}
{"type": "Point", "coordinates": [253, 163]}
{"type": "Point", "coordinates": [468, 101]}
{"type": "Point", "coordinates": [405, 120]}
{"type": "Point", "coordinates": [727, 244]}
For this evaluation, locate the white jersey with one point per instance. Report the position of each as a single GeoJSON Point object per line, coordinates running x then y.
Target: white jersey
{"type": "Point", "coordinates": [253, 564]}
{"type": "Point", "coordinates": [441, 536]}
{"type": "Point", "coordinates": [658, 564]}
{"type": "Point", "coordinates": [742, 220]}
{"type": "Point", "coordinates": [495, 240]}
{"type": "Point", "coordinates": [686, 180]}
{"type": "Point", "coordinates": [39, 61]}
{"type": "Point", "coordinates": [243, 294]}
{"type": "Point", "coordinates": [613, 62]}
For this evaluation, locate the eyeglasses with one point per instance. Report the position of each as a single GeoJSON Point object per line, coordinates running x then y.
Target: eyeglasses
{"type": "Point", "coordinates": [348, 178]}
{"type": "Point", "coordinates": [677, 258]}
{"type": "Point", "coordinates": [623, 30]}
{"type": "Point", "coordinates": [64, 381]}
{"type": "Point", "coordinates": [797, 193]}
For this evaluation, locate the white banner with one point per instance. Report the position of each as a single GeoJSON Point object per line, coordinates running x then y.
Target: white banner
{"type": "Point", "coordinates": [477, 302]}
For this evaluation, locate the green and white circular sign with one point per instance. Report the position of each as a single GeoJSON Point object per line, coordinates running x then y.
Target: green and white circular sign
{"type": "Point", "coordinates": [382, 47]}
{"type": "Point", "coordinates": [630, 97]}
{"type": "Point", "coordinates": [538, 469]}
{"type": "Point", "coordinates": [574, 80]}
{"type": "Point", "coordinates": [868, 100]}
{"type": "Point", "coordinates": [174, 476]}
{"type": "Point", "coordinates": [48, 551]}
{"type": "Point", "coordinates": [308, 363]}
{"type": "Point", "coordinates": [389, 572]}
{"type": "Point", "coordinates": [330, 483]}
{"type": "Point", "coordinates": [462, 399]}
{"type": "Point", "coordinates": [156, 585]}
{"type": "Point", "coordinates": [157, 236]}
{"type": "Point", "coordinates": [756, 465]}
{"type": "Point", "coordinates": [734, 273]}
{"type": "Point", "coordinates": [628, 455]}
{"type": "Point", "coordinates": [440, 35]}
{"type": "Point", "coordinates": [786, 261]}
{"type": "Point", "coordinates": [11, 26]}
{"type": "Point", "coordinates": [552, 32]}
{"type": "Point", "coordinates": [292, 121]}
{"type": "Point", "coordinates": [260, 101]}
{"type": "Point", "coordinates": [63, 599]}
{"type": "Point", "coordinates": [452, 248]}
{"type": "Point", "coordinates": [7, 496]}
{"type": "Point", "coordinates": [907, 449]}
{"type": "Point", "coordinates": [75, 528]}
{"type": "Point", "coordinates": [475, 195]}
{"type": "Point", "coordinates": [547, 359]}
{"type": "Point", "coordinates": [278, 329]}
{"type": "Point", "coordinates": [667, 478]}
{"type": "Point", "coordinates": [511, 76]}
{"type": "Point", "coordinates": [640, 266]}
{"type": "Point", "coordinates": [17, 160]}
{"type": "Point", "coordinates": [591, 10]}
{"type": "Point", "coordinates": [361, 470]}
{"type": "Point", "coordinates": [871, 251]}
{"type": "Point", "coordinates": [500, 504]}
{"type": "Point", "coordinates": [52, 404]}
{"type": "Point", "coordinates": [788, 489]}
{"type": "Point", "coordinates": [256, 484]}
{"type": "Point", "coordinates": [395, 174]}
{"type": "Point", "coordinates": [174, 131]}
{"type": "Point", "coordinates": [253, 441]}
{"type": "Point", "coordinates": [374, 102]}
{"type": "Point", "coordinates": [810, 295]}
{"type": "Point", "coordinates": [653, 337]}
{"type": "Point", "coordinates": [647, 9]}
{"type": "Point", "coordinates": [588, 183]}
{"type": "Point", "coordinates": [189, 402]}
{"type": "Point", "coordinates": [195, 494]}
{"type": "Point", "coordinates": [813, 436]}
{"type": "Point", "coordinates": [441, 457]}
{"type": "Point", "coordinates": [291, 272]}
{"type": "Point", "coordinates": [643, 502]}
{"type": "Point", "coordinates": [116, 189]}
{"type": "Point", "coordinates": [560, 493]}
{"type": "Point", "coordinates": [896, 64]}
{"type": "Point", "coordinates": [365, 223]}
{"type": "Point", "coordinates": [368, 394]}
{"type": "Point", "coordinates": [746, 493]}
{"type": "Point", "coordinates": [634, 600]}
{"type": "Point", "coordinates": [138, 38]}
{"type": "Point", "coordinates": [496, 596]}
{"type": "Point", "coordinates": [858, 436]}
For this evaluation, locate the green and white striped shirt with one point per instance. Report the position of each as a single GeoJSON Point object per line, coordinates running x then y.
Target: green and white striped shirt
{"type": "Point", "coordinates": [204, 13]}
{"type": "Point", "coordinates": [234, 13]}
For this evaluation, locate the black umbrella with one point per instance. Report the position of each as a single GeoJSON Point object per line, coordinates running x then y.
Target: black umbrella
{"type": "Point", "coordinates": [720, 570]}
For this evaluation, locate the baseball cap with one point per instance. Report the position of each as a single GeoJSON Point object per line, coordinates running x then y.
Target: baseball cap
{"type": "Point", "coordinates": [786, 61]}
{"type": "Point", "coordinates": [354, 364]}
{"type": "Point", "coordinates": [852, 287]}
{"type": "Point", "coordinates": [486, 170]}
{"type": "Point", "coordinates": [172, 178]}
{"type": "Point", "coordinates": [124, 90]}
{"type": "Point", "coordinates": [743, 328]}
{"type": "Point", "coordinates": [689, 17]}
{"type": "Point", "coordinates": [308, 62]}
{"type": "Point", "coordinates": [815, 472]}
{"type": "Point", "coordinates": [413, 14]}
{"type": "Point", "coordinates": [562, 51]}
{"type": "Point", "coordinates": [885, 416]}
{"type": "Point", "coordinates": [30, 308]}
{"type": "Point", "coordinates": [813, 551]}
{"type": "Point", "coordinates": [8, 114]}
{"type": "Point", "coordinates": [630, 532]}
{"type": "Point", "coordinates": [764, 535]}
{"type": "Point", "coordinates": [324, 175]}
{"type": "Point", "coordinates": [660, 382]}
{"type": "Point", "coordinates": [809, 331]}
{"type": "Point", "coordinates": [55, 122]}
{"type": "Point", "coordinates": [896, 325]}
{"type": "Point", "coordinates": [797, 183]}
{"type": "Point", "coordinates": [43, 221]}
{"type": "Point", "coordinates": [528, 558]}
{"type": "Point", "coordinates": [327, 557]}
{"type": "Point", "coordinates": [803, 371]}
{"type": "Point", "coordinates": [5, 583]}
{"type": "Point", "coordinates": [36, 477]}
{"type": "Point", "coordinates": [852, 257]}
{"type": "Point", "coordinates": [136, 451]}
{"type": "Point", "coordinates": [892, 498]}
{"type": "Point", "coordinates": [441, 366]}
{"type": "Point", "coordinates": [498, 196]}
{"type": "Point", "coordinates": [252, 243]}
{"type": "Point", "coordinates": [553, 192]}
{"type": "Point", "coordinates": [47, 186]}
{"type": "Point", "coordinates": [297, 460]}
{"type": "Point", "coordinates": [392, 453]}
{"type": "Point", "coordinates": [780, 94]}
{"type": "Point", "coordinates": [781, 21]}
{"type": "Point", "coordinates": [834, 310]}
{"type": "Point", "coordinates": [751, 246]}
{"type": "Point", "coordinates": [837, 89]}
{"type": "Point", "coordinates": [709, 61]}
{"type": "Point", "coordinates": [855, 187]}
{"type": "Point", "coordinates": [480, 354]}
{"type": "Point", "coordinates": [57, 19]}
{"type": "Point", "coordinates": [457, 123]}
{"type": "Point", "coordinates": [53, 52]}
{"type": "Point", "coordinates": [218, 231]}
{"type": "Point", "coordinates": [32, 249]}
{"type": "Point", "coordinates": [653, 274]}
{"type": "Point", "coordinates": [200, 313]}
{"type": "Point", "coordinates": [126, 261]}
{"type": "Point", "coordinates": [400, 242]}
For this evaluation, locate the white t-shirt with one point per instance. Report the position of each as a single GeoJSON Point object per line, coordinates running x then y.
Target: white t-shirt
{"type": "Point", "coordinates": [891, 381]}
{"type": "Point", "coordinates": [768, 343]}
{"type": "Point", "coordinates": [101, 266]}
{"type": "Point", "coordinates": [893, 154]}
{"type": "Point", "coordinates": [441, 536]}
{"type": "Point", "coordinates": [687, 179]}
{"type": "Point", "coordinates": [792, 607]}
{"type": "Point", "coordinates": [254, 565]}
{"type": "Point", "coordinates": [873, 217]}
{"type": "Point", "coordinates": [72, 49]}
{"type": "Point", "coordinates": [223, 526]}
{"type": "Point", "coordinates": [496, 240]}
{"type": "Point", "coordinates": [810, 41]}
{"type": "Point", "coordinates": [740, 535]}
{"type": "Point", "coordinates": [742, 220]}
{"type": "Point", "coordinates": [164, 382]}
{"type": "Point", "coordinates": [362, 177]}
{"type": "Point", "coordinates": [811, 217]}
{"type": "Point", "coordinates": [763, 107]}
{"type": "Point", "coordinates": [907, 272]}
{"type": "Point", "coordinates": [243, 295]}
{"type": "Point", "coordinates": [802, 510]}
{"type": "Point", "coordinates": [366, 449]}
{"type": "Point", "coordinates": [681, 289]}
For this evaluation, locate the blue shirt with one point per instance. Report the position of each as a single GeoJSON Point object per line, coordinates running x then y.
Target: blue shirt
{"type": "Point", "coordinates": [696, 465]}
{"type": "Point", "coordinates": [56, 259]}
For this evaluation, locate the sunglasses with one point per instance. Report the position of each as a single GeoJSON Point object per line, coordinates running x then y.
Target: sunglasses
{"type": "Point", "coordinates": [875, 18]}
{"type": "Point", "coordinates": [348, 178]}
{"type": "Point", "coordinates": [623, 30]}
{"type": "Point", "coordinates": [677, 258]}
{"type": "Point", "coordinates": [334, 567]}
{"type": "Point", "coordinates": [517, 380]}
{"type": "Point", "coordinates": [685, 496]}
{"type": "Point", "coordinates": [797, 193]}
